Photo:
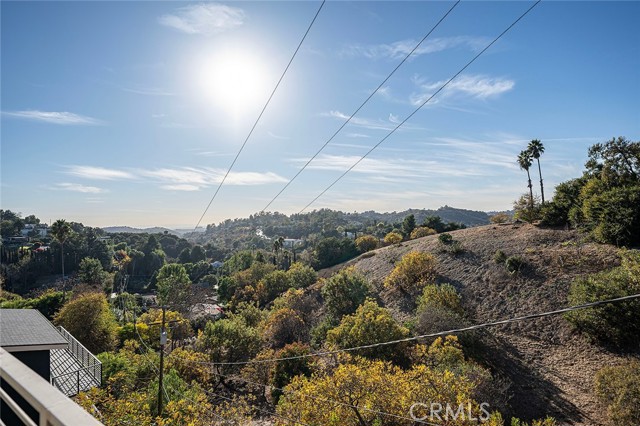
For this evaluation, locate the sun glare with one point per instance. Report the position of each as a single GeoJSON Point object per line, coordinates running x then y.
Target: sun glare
{"type": "Point", "coordinates": [234, 81]}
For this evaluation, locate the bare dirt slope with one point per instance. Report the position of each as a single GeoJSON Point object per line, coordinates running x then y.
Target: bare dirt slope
{"type": "Point", "coordinates": [547, 368]}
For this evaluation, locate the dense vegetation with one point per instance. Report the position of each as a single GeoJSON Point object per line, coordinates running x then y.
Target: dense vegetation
{"type": "Point", "coordinates": [286, 315]}
{"type": "Point", "coordinates": [615, 324]}
{"type": "Point", "coordinates": [257, 231]}
{"type": "Point", "coordinates": [604, 201]}
{"type": "Point", "coordinates": [72, 253]}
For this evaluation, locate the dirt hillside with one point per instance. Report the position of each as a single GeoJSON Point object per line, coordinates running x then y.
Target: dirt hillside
{"type": "Point", "coordinates": [546, 368]}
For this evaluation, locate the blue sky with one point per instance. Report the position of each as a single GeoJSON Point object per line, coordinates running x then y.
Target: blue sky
{"type": "Point", "coordinates": [129, 113]}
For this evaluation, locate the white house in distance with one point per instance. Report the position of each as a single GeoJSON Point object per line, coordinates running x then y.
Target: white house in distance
{"type": "Point", "coordinates": [35, 230]}
{"type": "Point", "coordinates": [290, 243]}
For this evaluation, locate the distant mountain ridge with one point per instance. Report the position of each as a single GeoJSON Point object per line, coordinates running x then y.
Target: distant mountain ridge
{"type": "Point", "coordinates": [130, 230]}
{"type": "Point", "coordinates": [446, 213]}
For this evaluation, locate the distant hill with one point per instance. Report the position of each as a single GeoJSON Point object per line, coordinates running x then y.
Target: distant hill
{"type": "Point", "coordinates": [257, 231]}
{"type": "Point", "coordinates": [446, 213]}
{"type": "Point", "coordinates": [130, 230]}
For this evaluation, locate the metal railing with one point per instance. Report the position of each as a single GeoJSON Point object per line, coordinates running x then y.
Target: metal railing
{"type": "Point", "coordinates": [51, 407]}
{"type": "Point", "coordinates": [73, 382]}
{"type": "Point", "coordinates": [88, 375]}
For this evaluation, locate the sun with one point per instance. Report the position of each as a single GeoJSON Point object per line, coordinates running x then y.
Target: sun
{"type": "Point", "coordinates": [234, 81]}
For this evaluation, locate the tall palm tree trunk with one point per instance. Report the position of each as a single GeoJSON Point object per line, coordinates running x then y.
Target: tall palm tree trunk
{"type": "Point", "coordinates": [541, 186]}
{"type": "Point", "coordinates": [530, 190]}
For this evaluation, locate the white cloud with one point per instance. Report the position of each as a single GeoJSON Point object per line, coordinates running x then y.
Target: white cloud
{"type": "Point", "coordinates": [357, 135]}
{"type": "Point", "coordinates": [254, 178]}
{"type": "Point", "coordinates": [63, 117]}
{"type": "Point", "coordinates": [94, 200]}
{"type": "Point", "coordinates": [361, 122]}
{"type": "Point", "coordinates": [493, 155]}
{"type": "Point", "coordinates": [476, 86]}
{"type": "Point", "coordinates": [192, 178]}
{"type": "Point", "coordinates": [99, 173]}
{"type": "Point", "coordinates": [400, 49]}
{"type": "Point", "coordinates": [213, 153]}
{"type": "Point", "coordinates": [276, 136]}
{"type": "Point", "coordinates": [388, 169]}
{"type": "Point", "coordinates": [394, 119]}
{"type": "Point", "coordinates": [76, 187]}
{"type": "Point", "coordinates": [204, 18]}
{"type": "Point", "coordinates": [370, 123]}
{"type": "Point", "coordinates": [177, 179]}
{"type": "Point", "coordinates": [148, 91]}
{"type": "Point", "coordinates": [181, 187]}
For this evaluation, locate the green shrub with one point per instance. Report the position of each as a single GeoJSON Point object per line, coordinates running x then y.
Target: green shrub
{"type": "Point", "coordinates": [615, 214]}
{"type": "Point", "coordinates": [443, 296]}
{"type": "Point", "coordinates": [393, 238]}
{"type": "Point", "coordinates": [449, 245]}
{"type": "Point", "coordinates": [319, 332]}
{"type": "Point", "coordinates": [499, 257]}
{"type": "Point", "coordinates": [445, 238]}
{"type": "Point", "coordinates": [514, 264]}
{"type": "Point", "coordinates": [344, 292]}
{"type": "Point", "coordinates": [414, 271]}
{"type": "Point", "coordinates": [422, 231]}
{"type": "Point", "coordinates": [614, 323]}
{"type": "Point", "coordinates": [48, 303]}
{"type": "Point", "coordinates": [619, 388]}
{"type": "Point", "coordinates": [525, 210]}
{"type": "Point", "coordinates": [366, 243]}
{"type": "Point", "coordinates": [455, 247]}
{"type": "Point", "coordinates": [499, 218]}
{"type": "Point", "coordinates": [370, 324]}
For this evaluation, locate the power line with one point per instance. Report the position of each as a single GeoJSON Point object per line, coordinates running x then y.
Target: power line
{"type": "Point", "coordinates": [362, 105]}
{"type": "Point", "coordinates": [146, 357]}
{"type": "Point", "coordinates": [149, 362]}
{"type": "Point", "coordinates": [421, 105]}
{"type": "Point", "coordinates": [259, 116]}
{"type": "Point", "coordinates": [438, 334]}
{"type": "Point", "coordinates": [327, 400]}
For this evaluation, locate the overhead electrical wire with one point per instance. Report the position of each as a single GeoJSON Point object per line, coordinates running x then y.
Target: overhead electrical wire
{"type": "Point", "coordinates": [353, 114]}
{"type": "Point", "coordinates": [259, 116]}
{"type": "Point", "coordinates": [442, 87]}
{"type": "Point", "coordinates": [438, 334]}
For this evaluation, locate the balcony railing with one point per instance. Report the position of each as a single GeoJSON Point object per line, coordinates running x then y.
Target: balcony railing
{"type": "Point", "coordinates": [34, 402]}
{"type": "Point", "coordinates": [82, 354]}
{"type": "Point", "coordinates": [74, 369]}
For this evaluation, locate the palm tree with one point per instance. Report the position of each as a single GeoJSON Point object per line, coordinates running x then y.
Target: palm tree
{"type": "Point", "coordinates": [525, 160]}
{"type": "Point", "coordinates": [536, 149]}
{"type": "Point", "coordinates": [278, 244]}
{"type": "Point", "coordinates": [61, 231]}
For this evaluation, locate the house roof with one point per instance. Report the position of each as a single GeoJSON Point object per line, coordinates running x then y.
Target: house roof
{"type": "Point", "coordinates": [28, 330]}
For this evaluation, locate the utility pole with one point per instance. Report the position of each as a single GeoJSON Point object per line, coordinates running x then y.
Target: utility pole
{"type": "Point", "coordinates": [163, 341]}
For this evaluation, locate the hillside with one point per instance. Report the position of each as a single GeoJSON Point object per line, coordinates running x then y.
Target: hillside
{"type": "Point", "coordinates": [130, 230]}
{"type": "Point", "coordinates": [545, 367]}
{"type": "Point", "coordinates": [257, 230]}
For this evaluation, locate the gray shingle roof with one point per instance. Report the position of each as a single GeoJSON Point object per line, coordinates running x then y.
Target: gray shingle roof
{"type": "Point", "coordinates": [27, 327]}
